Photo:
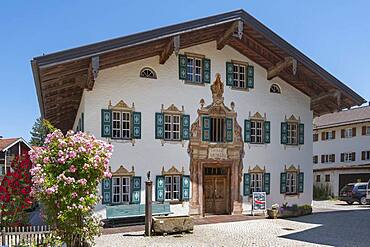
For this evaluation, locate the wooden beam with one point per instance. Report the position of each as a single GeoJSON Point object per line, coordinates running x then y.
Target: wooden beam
{"type": "Point", "coordinates": [172, 45]}
{"type": "Point", "coordinates": [275, 70]}
{"type": "Point", "coordinates": [228, 33]}
{"type": "Point", "coordinates": [332, 94]}
{"type": "Point", "coordinates": [92, 73]}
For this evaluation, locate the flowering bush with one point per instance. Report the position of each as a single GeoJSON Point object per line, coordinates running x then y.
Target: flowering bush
{"type": "Point", "coordinates": [15, 193]}
{"type": "Point", "coordinates": [66, 173]}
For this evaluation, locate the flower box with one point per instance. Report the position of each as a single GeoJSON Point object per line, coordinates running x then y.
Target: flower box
{"type": "Point", "coordinates": [163, 225]}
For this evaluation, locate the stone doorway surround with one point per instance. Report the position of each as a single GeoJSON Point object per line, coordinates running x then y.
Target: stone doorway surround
{"type": "Point", "coordinates": [225, 154]}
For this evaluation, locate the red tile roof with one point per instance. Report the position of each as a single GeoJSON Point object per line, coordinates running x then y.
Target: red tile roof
{"type": "Point", "coordinates": [5, 142]}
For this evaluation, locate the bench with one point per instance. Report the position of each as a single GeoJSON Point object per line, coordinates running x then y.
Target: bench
{"type": "Point", "coordinates": [115, 212]}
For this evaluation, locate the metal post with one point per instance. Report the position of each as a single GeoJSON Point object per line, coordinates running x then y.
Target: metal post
{"type": "Point", "coordinates": [148, 206]}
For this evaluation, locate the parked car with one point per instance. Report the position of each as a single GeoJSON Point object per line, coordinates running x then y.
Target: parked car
{"type": "Point", "coordinates": [354, 192]}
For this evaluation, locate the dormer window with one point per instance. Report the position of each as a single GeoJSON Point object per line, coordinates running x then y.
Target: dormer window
{"type": "Point", "coordinates": [148, 73]}
{"type": "Point", "coordinates": [275, 89]}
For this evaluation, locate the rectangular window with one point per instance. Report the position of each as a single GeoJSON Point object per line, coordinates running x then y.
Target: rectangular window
{"type": "Point", "coordinates": [315, 137]}
{"type": "Point", "coordinates": [291, 183]}
{"type": "Point", "coordinates": [315, 159]}
{"type": "Point", "coordinates": [239, 76]}
{"type": "Point", "coordinates": [348, 157]}
{"type": "Point", "coordinates": [172, 187]}
{"type": "Point", "coordinates": [217, 129]}
{"type": "Point", "coordinates": [120, 189]}
{"type": "Point", "coordinates": [327, 178]}
{"type": "Point", "coordinates": [194, 69]}
{"type": "Point", "coordinates": [365, 155]}
{"type": "Point", "coordinates": [348, 133]}
{"type": "Point", "coordinates": [318, 179]}
{"type": "Point", "coordinates": [292, 134]}
{"type": "Point", "coordinates": [367, 130]}
{"type": "Point", "coordinates": [256, 182]}
{"type": "Point", "coordinates": [172, 127]}
{"type": "Point", "coordinates": [121, 125]}
{"type": "Point", "coordinates": [116, 189]}
{"type": "Point", "coordinates": [256, 132]}
{"type": "Point", "coordinates": [116, 125]}
{"type": "Point", "coordinates": [327, 158]}
{"type": "Point", "coordinates": [125, 189]}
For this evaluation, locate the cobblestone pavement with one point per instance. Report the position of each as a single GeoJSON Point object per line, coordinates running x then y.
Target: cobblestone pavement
{"type": "Point", "coordinates": [324, 228]}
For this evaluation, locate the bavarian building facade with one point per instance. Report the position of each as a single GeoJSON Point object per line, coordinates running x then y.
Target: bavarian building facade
{"type": "Point", "coordinates": [215, 109]}
{"type": "Point", "coordinates": [341, 149]}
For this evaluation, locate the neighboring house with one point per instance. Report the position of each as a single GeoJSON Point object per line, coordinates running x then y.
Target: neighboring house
{"type": "Point", "coordinates": [9, 149]}
{"type": "Point", "coordinates": [215, 108]}
{"type": "Point", "coordinates": [341, 148]}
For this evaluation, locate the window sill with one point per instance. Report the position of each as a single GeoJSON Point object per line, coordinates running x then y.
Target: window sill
{"type": "Point", "coordinates": [174, 202]}
{"type": "Point", "coordinates": [182, 142]}
{"type": "Point", "coordinates": [116, 140]}
{"type": "Point", "coordinates": [195, 83]}
{"type": "Point", "coordinates": [242, 89]}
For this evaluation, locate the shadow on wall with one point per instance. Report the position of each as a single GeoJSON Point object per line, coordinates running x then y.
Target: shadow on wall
{"type": "Point", "coordinates": [344, 228]}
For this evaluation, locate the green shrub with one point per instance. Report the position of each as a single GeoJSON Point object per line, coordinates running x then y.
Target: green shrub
{"type": "Point", "coordinates": [321, 192]}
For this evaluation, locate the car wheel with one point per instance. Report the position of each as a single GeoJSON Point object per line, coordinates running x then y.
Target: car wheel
{"type": "Point", "coordinates": [349, 202]}
{"type": "Point", "coordinates": [363, 200]}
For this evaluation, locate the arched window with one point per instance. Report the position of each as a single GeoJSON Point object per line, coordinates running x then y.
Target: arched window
{"type": "Point", "coordinates": [275, 89]}
{"type": "Point", "coordinates": [148, 73]}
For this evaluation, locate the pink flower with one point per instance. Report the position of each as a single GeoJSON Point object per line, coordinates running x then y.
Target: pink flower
{"type": "Point", "coordinates": [74, 195]}
{"type": "Point", "coordinates": [82, 181]}
{"type": "Point", "coordinates": [46, 160]}
{"type": "Point", "coordinates": [72, 169]}
{"type": "Point", "coordinates": [107, 174]}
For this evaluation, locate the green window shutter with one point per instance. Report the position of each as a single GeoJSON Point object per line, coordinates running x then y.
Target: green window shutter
{"type": "Point", "coordinates": [283, 183]}
{"type": "Point", "coordinates": [250, 76]}
{"type": "Point", "coordinates": [300, 182]}
{"type": "Point", "coordinates": [266, 183]}
{"type": "Point", "coordinates": [185, 195]}
{"type": "Point", "coordinates": [183, 61]}
{"type": "Point", "coordinates": [185, 127]}
{"type": "Point", "coordinates": [301, 134]}
{"type": "Point", "coordinates": [159, 125]}
{"type": "Point", "coordinates": [247, 130]}
{"type": "Point", "coordinates": [266, 129]}
{"type": "Point", "coordinates": [106, 123]}
{"type": "Point", "coordinates": [206, 70]}
{"type": "Point", "coordinates": [229, 130]}
{"type": "Point", "coordinates": [106, 191]}
{"type": "Point", "coordinates": [159, 188]}
{"type": "Point", "coordinates": [229, 74]}
{"type": "Point", "coordinates": [206, 127]}
{"type": "Point", "coordinates": [284, 133]}
{"type": "Point", "coordinates": [82, 122]}
{"type": "Point", "coordinates": [136, 190]}
{"type": "Point", "coordinates": [136, 126]}
{"type": "Point", "coordinates": [246, 184]}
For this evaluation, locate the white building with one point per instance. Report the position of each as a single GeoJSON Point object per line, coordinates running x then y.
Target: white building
{"type": "Point", "coordinates": [341, 148]}
{"type": "Point", "coordinates": [221, 102]}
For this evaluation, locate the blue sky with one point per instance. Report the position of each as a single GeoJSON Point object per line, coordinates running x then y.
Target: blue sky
{"type": "Point", "coordinates": [334, 33]}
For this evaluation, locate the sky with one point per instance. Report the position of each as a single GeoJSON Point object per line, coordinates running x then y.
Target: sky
{"type": "Point", "coordinates": [333, 33]}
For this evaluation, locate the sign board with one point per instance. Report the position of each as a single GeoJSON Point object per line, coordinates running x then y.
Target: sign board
{"type": "Point", "coordinates": [217, 153]}
{"type": "Point", "coordinates": [259, 202]}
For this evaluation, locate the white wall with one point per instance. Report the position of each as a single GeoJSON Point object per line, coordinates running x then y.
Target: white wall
{"type": "Point", "coordinates": [123, 83]}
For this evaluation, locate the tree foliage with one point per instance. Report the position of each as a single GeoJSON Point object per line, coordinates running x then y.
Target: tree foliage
{"type": "Point", "coordinates": [39, 131]}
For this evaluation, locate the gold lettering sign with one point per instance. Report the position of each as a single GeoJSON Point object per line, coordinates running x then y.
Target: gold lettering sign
{"type": "Point", "coordinates": [217, 153]}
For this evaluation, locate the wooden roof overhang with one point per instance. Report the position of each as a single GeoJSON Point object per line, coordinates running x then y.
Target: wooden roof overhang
{"type": "Point", "coordinates": [61, 77]}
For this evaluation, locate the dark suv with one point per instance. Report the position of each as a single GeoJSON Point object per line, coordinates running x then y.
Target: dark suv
{"type": "Point", "coordinates": [354, 192]}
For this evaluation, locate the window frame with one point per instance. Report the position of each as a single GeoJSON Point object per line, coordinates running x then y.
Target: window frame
{"type": "Point", "coordinates": [152, 76]}
{"type": "Point", "coordinates": [192, 69]}
{"type": "Point", "coordinates": [256, 182]}
{"type": "Point", "coordinates": [255, 129]}
{"type": "Point", "coordinates": [348, 157]}
{"type": "Point", "coordinates": [326, 178]}
{"type": "Point", "coordinates": [121, 121]}
{"type": "Point", "coordinates": [237, 74]}
{"type": "Point", "coordinates": [172, 126]}
{"type": "Point", "coordinates": [121, 187]}
{"type": "Point", "coordinates": [274, 85]}
{"type": "Point", "coordinates": [290, 131]}
{"type": "Point", "coordinates": [172, 184]}
{"type": "Point", "coordinates": [291, 185]}
{"type": "Point", "coordinates": [348, 133]}
{"type": "Point", "coordinates": [217, 135]}
{"type": "Point", "coordinates": [318, 178]}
